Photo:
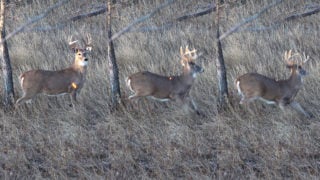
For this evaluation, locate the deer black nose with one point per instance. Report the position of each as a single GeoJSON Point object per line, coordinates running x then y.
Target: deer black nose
{"type": "Point", "coordinates": [303, 72]}
{"type": "Point", "coordinates": [86, 59]}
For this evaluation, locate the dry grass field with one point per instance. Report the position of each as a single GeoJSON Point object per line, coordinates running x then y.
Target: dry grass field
{"type": "Point", "coordinates": [154, 140]}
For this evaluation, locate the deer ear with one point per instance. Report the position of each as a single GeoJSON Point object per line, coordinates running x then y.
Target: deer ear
{"type": "Point", "coordinates": [74, 49]}
{"type": "Point", "coordinates": [289, 66]}
{"type": "Point", "coordinates": [89, 48]}
{"type": "Point", "coordinates": [183, 62]}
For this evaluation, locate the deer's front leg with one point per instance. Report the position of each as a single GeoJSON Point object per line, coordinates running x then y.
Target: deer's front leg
{"type": "Point", "coordinates": [73, 97]}
{"type": "Point", "coordinates": [188, 102]}
{"type": "Point", "coordinates": [194, 106]}
{"type": "Point", "coordinates": [295, 105]}
{"type": "Point", "coordinates": [72, 89]}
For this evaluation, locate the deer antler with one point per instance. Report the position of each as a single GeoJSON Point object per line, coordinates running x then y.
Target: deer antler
{"type": "Point", "coordinates": [88, 42]}
{"type": "Point", "coordinates": [288, 56]}
{"type": "Point", "coordinates": [89, 39]}
{"type": "Point", "coordinates": [181, 51]}
{"type": "Point", "coordinates": [183, 57]}
{"type": "Point", "coordinates": [72, 44]}
{"type": "Point", "coordinates": [189, 53]}
{"type": "Point", "coordinates": [290, 59]}
{"type": "Point", "coordinates": [194, 52]}
{"type": "Point", "coordinates": [305, 58]}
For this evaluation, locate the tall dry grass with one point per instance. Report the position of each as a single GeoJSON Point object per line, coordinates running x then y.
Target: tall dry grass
{"type": "Point", "coordinates": [160, 140]}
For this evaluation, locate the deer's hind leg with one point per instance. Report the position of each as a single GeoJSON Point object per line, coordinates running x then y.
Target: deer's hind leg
{"type": "Point", "coordinates": [24, 98]}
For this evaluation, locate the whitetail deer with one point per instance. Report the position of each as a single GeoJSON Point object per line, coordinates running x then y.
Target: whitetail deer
{"type": "Point", "coordinates": [165, 88]}
{"type": "Point", "coordinates": [252, 86]}
{"type": "Point", "coordinates": [65, 81]}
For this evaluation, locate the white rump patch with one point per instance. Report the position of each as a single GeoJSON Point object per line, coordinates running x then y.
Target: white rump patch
{"type": "Point", "coordinates": [128, 81]}
{"type": "Point", "coordinates": [21, 81]}
{"type": "Point", "coordinates": [239, 89]}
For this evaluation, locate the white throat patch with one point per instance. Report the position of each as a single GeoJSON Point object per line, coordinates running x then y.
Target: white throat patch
{"type": "Point", "coordinates": [83, 63]}
{"type": "Point", "coordinates": [194, 75]}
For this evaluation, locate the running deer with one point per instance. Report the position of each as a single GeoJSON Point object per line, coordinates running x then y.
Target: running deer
{"type": "Point", "coordinates": [165, 88]}
{"type": "Point", "coordinates": [65, 81]}
{"type": "Point", "coordinates": [252, 86]}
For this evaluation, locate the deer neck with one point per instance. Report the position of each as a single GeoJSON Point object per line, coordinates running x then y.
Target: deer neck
{"type": "Point", "coordinates": [79, 68]}
{"type": "Point", "coordinates": [295, 80]}
{"type": "Point", "coordinates": [187, 76]}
